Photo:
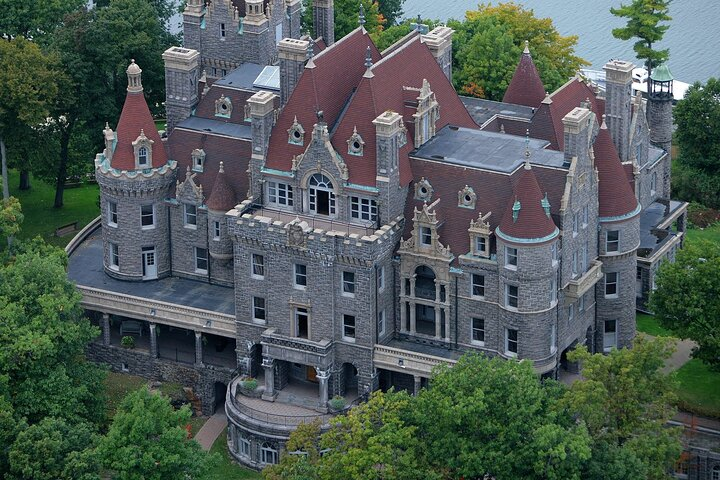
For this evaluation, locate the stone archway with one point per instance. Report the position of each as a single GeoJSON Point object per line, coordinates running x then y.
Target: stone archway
{"type": "Point", "coordinates": [220, 391]}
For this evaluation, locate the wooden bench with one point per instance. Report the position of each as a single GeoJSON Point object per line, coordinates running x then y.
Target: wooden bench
{"type": "Point", "coordinates": [65, 229]}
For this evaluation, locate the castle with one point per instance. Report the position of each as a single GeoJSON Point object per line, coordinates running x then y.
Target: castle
{"type": "Point", "coordinates": [331, 219]}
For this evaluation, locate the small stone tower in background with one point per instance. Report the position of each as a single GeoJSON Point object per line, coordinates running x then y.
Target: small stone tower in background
{"type": "Point", "coordinates": [324, 20]}
{"type": "Point", "coordinates": [659, 112]}
{"type": "Point", "coordinates": [135, 177]}
{"type": "Point", "coordinates": [182, 71]}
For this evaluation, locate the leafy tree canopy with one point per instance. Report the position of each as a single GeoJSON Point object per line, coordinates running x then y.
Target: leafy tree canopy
{"type": "Point", "coordinates": [488, 44]}
{"type": "Point", "coordinates": [34, 19]}
{"type": "Point", "coordinates": [686, 299]}
{"type": "Point", "coordinates": [643, 22]}
{"type": "Point", "coordinates": [392, 34]}
{"type": "Point", "coordinates": [391, 10]}
{"type": "Point", "coordinates": [147, 441]}
{"type": "Point", "coordinates": [347, 15]}
{"type": "Point", "coordinates": [697, 117]}
{"type": "Point", "coordinates": [10, 217]}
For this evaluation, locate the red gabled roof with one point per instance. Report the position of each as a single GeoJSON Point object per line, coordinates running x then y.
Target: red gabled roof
{"type": "Point", "coordinates": [526, 87]}
{"type": "Point", "coordinates": [136, 117]}
{"type": "Point", "coordinates": [222, 197]}
{"type": "Point", "coordinates": [547, 121]}
{"type": "Point", "coordinates": [326, 84]}
{"type": "Point", "coordinates": [532, 221]}
{"type": "Point", "coordinates": [238, 98]}
{"type": "Point", "coordinates": [615, 193]}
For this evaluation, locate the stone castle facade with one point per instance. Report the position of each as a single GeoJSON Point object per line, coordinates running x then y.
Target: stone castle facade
{"type": "Point", "coordinates": [354, 222]}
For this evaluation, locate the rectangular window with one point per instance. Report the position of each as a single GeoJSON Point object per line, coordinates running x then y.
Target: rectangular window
{"type": "Point", "coordinates": [611, 284]}
{"type": "Point", "coordinates": [478, 331]}
{"type": "Point", "coordinates": [244, 447]}
{"type": "Point", "coordinates": [300, 275]}
{"type": "Point", "coordinates": [612, 241]}
{"type": "Point", "coordinates": [280, 194]}
{"type": "Point", "coordinates": [575, 264]}
{"type": "Point", "coordinates": [190, 215]}
{"type": "Point", "coordinates": [554, 253]}
{"type": "Point", "coordinates": [363, 209]}
{"type": "Point", "coordinates": [480, 245]}
{"type": "Point", "coordinates": [114, 256]}
{"type": "Point", "coordinates": [571, 312]}
{"type": "Point", "coordinates": [381, 322]}
{"type": "Point", "coordinates": [553, 338]}
{"type": "Point", "coordinates": [216, 230]}
{"type": "Point", "coordinates": [425, 236]}
{"type": "Point", "coordinates": [259, 309]}
{"type": "Point", "coordinates": [349, 327]}
{"type": "Point", "coordinates": [147, 216]}
{"type": "Point", "coordinates": [348, 284]}
{"type": "Point", "coordinates": [381, 278]}
{"type": "Point", "coordinates": [511, 257]}
{"type": "Point", "coordinates": [511, 296]}
{"type": "Point", "coordinates": [112, 214]}
{"type": "Point", "coordinates": [201, 260]}
{"type": "Point", "coordinates": [575, 221]}
{"type": "Point", "coordinates": [222, 30]}
{"type": "Point", "coordinates": [511, 342]}
{"type": "Point", "coordinates": [553, 292]}
{"type": "Point", "coordinates": [302, 323]}
{"type": "Point", "coordinates": [477, 285]}
{"type": "Point", "coordinates": [268, 455]}
{"type": "Point", "coordinates": [609, 335]}
{"type": "Point", "coordinates": [258, 265]}
{"type": "Point", "coordinates": [581, 303]}
{"type": "Point", "coordinates": [585, 215]}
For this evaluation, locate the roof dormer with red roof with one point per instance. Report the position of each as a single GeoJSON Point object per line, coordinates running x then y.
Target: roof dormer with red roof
{"type": "Point", "coordinates": [525, 88]}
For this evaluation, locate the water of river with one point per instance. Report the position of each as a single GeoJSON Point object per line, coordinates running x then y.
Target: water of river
{"type": "Point", "coordinates": [693, 37]}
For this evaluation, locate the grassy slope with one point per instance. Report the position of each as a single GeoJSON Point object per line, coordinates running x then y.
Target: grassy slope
{"type": "Point", "coordinates": [699, 389]}
{"type": "Point", "coordinates": [226, 469]}
{"type": "Point", "coordinates": [648, 324]}
{"type": "Point", "coordinates": [117, 386]}
{"type": "Point", "coordinates": [40, 216]}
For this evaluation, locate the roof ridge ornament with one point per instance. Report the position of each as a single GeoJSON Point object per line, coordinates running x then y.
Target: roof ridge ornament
{"type": "Point", "coordinates": [527, 48]}
{"type": "Point", "coordinates": [361, 17]}
{"type": "Point", "coordinates": [527, 149]}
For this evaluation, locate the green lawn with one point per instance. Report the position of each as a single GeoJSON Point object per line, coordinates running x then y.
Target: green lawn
{"type": "Point", "coordinates": [118, 385]}
{"type": "Point", "coordinates": [648, 324]}
{"type": "Point", "coordinates": [711, 234]}
{"type": "Point", "coordinates": [40, 216]}
{"type": "Point", "coordinates": [226, 469]}
{"type": "Point", "coordinates": [699, 389]}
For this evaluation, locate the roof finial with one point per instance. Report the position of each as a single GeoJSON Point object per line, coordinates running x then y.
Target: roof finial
{"type": "Point", "coordinates": [222, 168]}
{"type": "Point", "coordinates": [311, 49]}
{"type": "Point", "coordinates": [527, 48]}
{"type": "Point", "coordinates": [368, 57]}
{"type": "Point", "coordinates": [603, 126]}
{"type": "Point", "coordinates": [527, 149]}
{"type": "Point", "coordinates": [361, 17]}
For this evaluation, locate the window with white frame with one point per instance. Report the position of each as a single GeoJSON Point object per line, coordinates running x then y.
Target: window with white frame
{"type": "Point", "coordinates": [259, 310]}
{"type": "Point", "coordinates": [575, 222]}
{"type": "Point", "coordinates": [511, 257]}
{"type": "Point", "coordinates": [321, 195]}
{"type": "Point", "coordinates": [268, 455]}
{"type": "Point", "coordinates": [243, 446]}
{"type": "Point", "coordinates": [477, 285]}
{"type": "Point", "coordinates": [381, 278]}
{"type": "Point", "coordinates": [349, 327]}
{"type": "Point", "coordinates": [257, 265]}
{"type": "Point", "coordinates": [480, 245]}
{"type": "Point", "coordinates": [112, 214]}
{"type": "Point", "coordinates": [611, 284]}
{"type": "Point", "coordinates": [348, 284]}
{"type": "Point", "coordinates": [553, 338]}
{"type": "Point", "coordinates": [511, 296]}
{"type": "Point", "coordinates": [300, 276]}
{"type": "Point", "coordinates": [363, 208]}
{"type": "Point", "coordinates": [585, 216]}
{"type": "Point", "coordinates": [477, 331]}
{"type": "Point", "coordinates": [381, 322]}
{"type": "Point", "coordinates": [425, 236]}
{"type": "Point", "coordinates": [216, 230]}
{"type": "Point", "coordinates": [201, 260]}
{"type": "Point", "coordinates": [571, 312]}
{"type": "Point", "coordinates": [612, 240]}
{"type": "Point", "coordinates": [114, 256]}
{"type": "Point", "coordinates": [142, 156]}
{"type": "Point", "coordinates": [190, 216]}
{"type": "Point", "coordinates": [609, 335]}
{"type": "Point", "coordinates": [147, 216]}
{"type": "Point", "coordinates": [280, 194]}
{"type": "Point", "coordinates": [511, 342]}
{"type": "Point", "coordinates": [553, 292]}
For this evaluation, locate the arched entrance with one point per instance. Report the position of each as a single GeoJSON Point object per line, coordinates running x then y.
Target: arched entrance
{"type": "Point", "coordinates": [321, 195]}
{"type": "Point", "coordinates": [220, 391]}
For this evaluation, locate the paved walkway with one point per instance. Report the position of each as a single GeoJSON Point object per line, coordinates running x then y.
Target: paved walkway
{"type": "Point", "coordinates": [212, 429]}
{"type": "Point", "coordinates": [683, 350]}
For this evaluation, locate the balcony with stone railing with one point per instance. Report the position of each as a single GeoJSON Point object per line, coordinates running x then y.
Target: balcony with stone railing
{"type": "Point", "coordinates": [578, 286]}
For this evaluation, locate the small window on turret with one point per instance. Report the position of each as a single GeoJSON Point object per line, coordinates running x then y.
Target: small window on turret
{"type": "Point", "coordinates": [222, 30]}
{"type": "Point", "coordinates": [142, 156]}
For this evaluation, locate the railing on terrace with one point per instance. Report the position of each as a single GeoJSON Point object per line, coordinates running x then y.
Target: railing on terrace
{"type": "Point", "coordinates": [324, 223]}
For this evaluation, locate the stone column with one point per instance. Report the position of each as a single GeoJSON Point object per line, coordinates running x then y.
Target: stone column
{"type": "Point", "coordinates": [447, 324]}
{"type": "Point", "coordinates": [403, 316]}
{"type": "Point", "coordinates": [198, 348]}
{"type": "Point", "coordinates": [269, 366]}
{"type": "Point", "coordinates": [322, 376]}
{"type": "Point", "coordinates": [153, 341]}
{"type": "Point", "coordinates": [438, 320]}
{"type": "Point", "coordinates": [412, 317]}
{"type": "Point", "coordinates": [418, 384]}
{"type": "Point", "coordinates": [105, 325]}
{"type": "Point", "coordinates": [412, 285]}
{"type": "Point", "coordinates": [437, 291]}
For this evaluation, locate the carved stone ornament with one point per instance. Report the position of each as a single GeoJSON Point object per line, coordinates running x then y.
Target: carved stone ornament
{"type": "Point", "coordinates": [423, 190]}
{"type": "Point", "coordinates": [355, 143]}
{"type": "Point", "coordinates": [296, 133]}
{"type": "Point", "coordinates": [296, 235]}
{"type": "Point", "coordinates": [467, 197]}
{"type": "Point", "coordinates": [223, 107]}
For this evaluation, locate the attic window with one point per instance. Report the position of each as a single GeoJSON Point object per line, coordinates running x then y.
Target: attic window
{"type": "Point", "coordinates": [423, 190]}
{"type": "Point", "coordinates": [142, 156]}
{"type": "Point", "coordinates": [355, 144]}
{"type": "Point", "coordinates": [223, 107]}
{"type": "Point", "coordinates": [198, 160]}
{"type": "Point", "coordinates": [466, 198]}
{"type": "Point", "coordinates": [296, 133]}
{"type": "Point", "coordinates": [142, 147]}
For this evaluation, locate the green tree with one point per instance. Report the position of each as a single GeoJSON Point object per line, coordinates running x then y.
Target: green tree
{"type": "Point", "coordinates": [393, 33]}
{"type": "Point", "coordinates": [54, 450]}
{"type": "Point", "coordinates": [34, 19]}
{"type": "Point", "coordinates": [626, 401]}
{"type": "Point", "coordinates": [697, 117]}
{"type": "Point", "coordinates": [686, 298]}
{"type": "Point", "coordinates": [147, 441]}
{"type": "Point", "coordinates": [391, 10]}
{"type": "Point", "coordinates": [27, 89]}
{"type": "Point", "coordinates": [488, 44]}
{"type": "Point", "coordinates": [295, 466]}
{"type": "Point", "coordinates": [468, 425]}
{"type": "Point", "coordinates": [643, 22]}
{"type": "Point", "coordinates": [10, 217]}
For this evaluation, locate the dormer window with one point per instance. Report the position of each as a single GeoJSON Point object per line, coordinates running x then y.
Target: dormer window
{"type": "Point", "coordinates": [480, 236]}
{"type": "Point", "coordinates": [425, 236]}
{"type": "Point", "coordinates": [296, 133]}
{"type": "Point", "coordinates": [423, 190]}
{"type": "Point", "coordinates": [223, 106]}
{"type": "Point", "coordinates": [355, 144]}
{"type": "Point", "coordinates": [143, 151]}
{"type": "Point", "coordinates": [467, 197]}
{"type": "Point", "coordinates": [427, 114]}
{"type": "Point", "coordinates": [198, 160]}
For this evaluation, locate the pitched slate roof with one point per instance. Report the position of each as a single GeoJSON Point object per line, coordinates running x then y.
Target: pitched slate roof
{"type": "Point", "coordinates": [615, 193]}
{"type": "Point", "coordinates": [136, 117]}
{"type": "Point", "coordinates": [532, 221]}
{"type": "Point", "coordinates": [525, 88]}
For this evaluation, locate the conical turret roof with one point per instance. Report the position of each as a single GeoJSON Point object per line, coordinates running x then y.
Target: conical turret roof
{"type": "Point", "coordinates": [525, 88]}
{"type": "Point", "coordinates": [222, 197]}
{"type": "Point", "coordinates": [615, 196]}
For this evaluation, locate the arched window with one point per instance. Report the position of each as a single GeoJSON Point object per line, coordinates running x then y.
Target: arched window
{"type": "Point", "coordinates": [716, 472]}
{"type": "Point", "coordinates": [142, 156]}
{"type": "Point", "coordinates": [321, 195]}
{"type": "Point", "coordinates": [268, 455]}
{"type": "Point", "coordinates": [425, 282]}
